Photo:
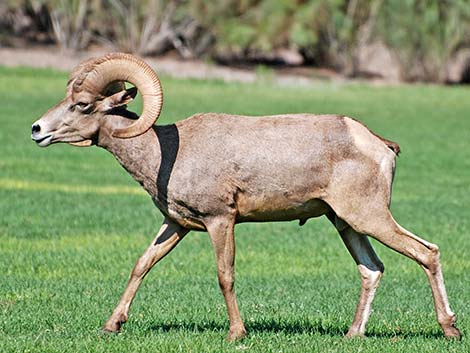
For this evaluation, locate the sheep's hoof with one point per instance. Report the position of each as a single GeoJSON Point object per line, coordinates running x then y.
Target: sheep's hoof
{"type": "Point", "coordinates": [112, 327]}
{"type": "Point", "coordinates": [107, 329]}
{"type": "Point", "coordinates": [452, 332]}
{"type": "Point", "coordinates": [354, 334]}
{"type": "Point", "coordinates": [236, 333]}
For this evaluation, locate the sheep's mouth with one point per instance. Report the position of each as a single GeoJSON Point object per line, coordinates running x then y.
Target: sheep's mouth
{"type": "Point", "coordinates": [42, 141]}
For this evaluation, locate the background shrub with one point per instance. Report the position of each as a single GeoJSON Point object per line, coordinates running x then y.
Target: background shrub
{"type": "Point", "coordinates": [422, 35]}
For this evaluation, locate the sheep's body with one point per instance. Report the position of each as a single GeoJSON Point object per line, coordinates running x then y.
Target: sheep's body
{"type": "Point", "coordinates": [243, 166]}
{"type": "Point", "coordinates": [211, 171]}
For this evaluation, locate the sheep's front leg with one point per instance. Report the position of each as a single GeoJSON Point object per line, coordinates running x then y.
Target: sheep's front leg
{"type": "Point", "coordinates": [168, 236]}
{"type": "Point", "coordinates": [221, 232]}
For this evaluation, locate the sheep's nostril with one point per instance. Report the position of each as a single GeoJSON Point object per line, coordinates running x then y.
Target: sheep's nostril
{"type": "Point", "coordinates": [36, 128]}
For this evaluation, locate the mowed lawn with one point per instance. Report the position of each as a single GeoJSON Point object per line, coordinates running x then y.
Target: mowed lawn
{"type": "Point", "coordinates": [73, 223]}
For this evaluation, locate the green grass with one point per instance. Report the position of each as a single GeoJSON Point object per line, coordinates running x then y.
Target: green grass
{"type": "Point", "coordinates": [72, 224]}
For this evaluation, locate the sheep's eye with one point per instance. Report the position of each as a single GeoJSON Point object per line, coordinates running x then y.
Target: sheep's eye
{"type": "Point", "coordinates": [84, 107]}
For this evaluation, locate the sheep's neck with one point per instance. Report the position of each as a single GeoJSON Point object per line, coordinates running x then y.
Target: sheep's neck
{"type": "Point", "coordinates": [141, 156]}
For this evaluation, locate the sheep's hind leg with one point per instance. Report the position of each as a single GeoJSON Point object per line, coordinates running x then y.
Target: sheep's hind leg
{"type": "Point", "coordinates": [168, 236]}
{"type": "Point", "coordinates": [383, 227]}
{"type": "Point", "coordinates": [370, 268]}
{"type": "Point", "coordinates": [221, 232]}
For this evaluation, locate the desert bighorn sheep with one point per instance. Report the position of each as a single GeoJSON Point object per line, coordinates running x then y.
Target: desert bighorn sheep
{"type": "Point", "coordinates": [212, 171]}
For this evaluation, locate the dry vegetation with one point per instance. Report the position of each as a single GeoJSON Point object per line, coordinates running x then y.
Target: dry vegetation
{"type": "Point", "coordinates": [429, 41]}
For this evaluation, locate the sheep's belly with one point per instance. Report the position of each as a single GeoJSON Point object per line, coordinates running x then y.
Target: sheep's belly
{"type": "Point", "coordinates": [279, 209]}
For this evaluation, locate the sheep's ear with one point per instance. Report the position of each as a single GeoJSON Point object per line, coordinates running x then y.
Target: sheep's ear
{"type": "Point", "coordinates": [118, 99]}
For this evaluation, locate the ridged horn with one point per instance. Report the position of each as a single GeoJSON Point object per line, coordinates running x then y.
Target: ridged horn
{"type": "Point", "coordinates": [117, 67]}
{"type": "Point", "coordinates": [86, 65]}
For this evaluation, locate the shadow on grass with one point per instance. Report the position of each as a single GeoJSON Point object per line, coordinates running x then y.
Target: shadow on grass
{"type": "Point", "coordinates": [299, 327]}
{"type": "Point", "coordinates": [290, 327]}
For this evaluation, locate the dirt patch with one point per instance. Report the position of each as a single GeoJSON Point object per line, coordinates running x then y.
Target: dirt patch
{"type": "Point", "coordinates": [51, 57]}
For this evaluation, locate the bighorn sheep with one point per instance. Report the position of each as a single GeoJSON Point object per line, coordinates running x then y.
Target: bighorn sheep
{"type": "Point", "coordinates": [212, 171]}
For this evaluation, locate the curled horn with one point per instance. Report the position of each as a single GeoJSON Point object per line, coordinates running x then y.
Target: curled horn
{"type": "Point", "coordinates": [84, 66]}
{"type": "Point", "coordinates": [120, 67]}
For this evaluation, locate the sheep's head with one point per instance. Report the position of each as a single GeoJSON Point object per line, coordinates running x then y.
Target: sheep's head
{"type": "Point", "coordinates": [95, 90]}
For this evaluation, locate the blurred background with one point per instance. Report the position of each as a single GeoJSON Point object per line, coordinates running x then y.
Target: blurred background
{"type": "Point", "coordinates": [389, 40]}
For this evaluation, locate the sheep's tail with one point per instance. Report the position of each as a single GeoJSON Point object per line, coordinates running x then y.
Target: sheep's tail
{"type": "Point", "coordinates": [390, 144]}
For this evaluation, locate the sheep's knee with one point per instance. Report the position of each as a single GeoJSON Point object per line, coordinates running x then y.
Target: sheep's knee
{"type": "Point", "coordinates": [141, 268]}
{"type": "Point", "coordinates": [430, 261]}
{"type": "Point", "coordinates": [370, 278]}
{"type": "Point", "coordinates": [435, 254]}
{"type": "Point", "coordinates": [226, 282]}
